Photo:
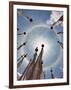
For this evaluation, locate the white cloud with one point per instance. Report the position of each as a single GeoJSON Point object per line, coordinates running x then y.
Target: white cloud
{"type": "Point", "coordinates": [55, 15]}
{"type": "Point", "coordinates": [19, 13]}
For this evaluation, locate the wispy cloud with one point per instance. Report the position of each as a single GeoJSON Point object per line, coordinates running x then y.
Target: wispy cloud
{"type": "Point", "coordinates": [55, 15]}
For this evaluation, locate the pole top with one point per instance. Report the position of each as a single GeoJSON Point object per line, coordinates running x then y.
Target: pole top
{"type": "Point", "coordinates": [25, 55]}
{"type": "Point", "coordinates": [36, 49]}
{"type": "Point", "coordinates": [42, 45]}
{"type": "Point", "coordinates": [24, 33]}
{"type": "Point", "coordinates": [31, 20]}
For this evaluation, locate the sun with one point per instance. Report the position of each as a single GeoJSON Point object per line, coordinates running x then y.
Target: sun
{"type": "Point", "coordinates": [38, 42]}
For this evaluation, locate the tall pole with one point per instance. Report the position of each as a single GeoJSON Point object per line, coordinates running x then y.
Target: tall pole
{"type": "Point", "coordinates": [60, 19]}
{"type": "Point", "coordinates": [20, 57]}
{"type": "Point", "coordinates": [52, 76]}
{"type": "Point", "coordinates": [38, 65]}
{"type": "Point", "coordinates": [25, 16]}
{"type": "Point", "coordinates": [21, 45]}
{"type": "Point", "coordinates": [60, 43]}
{"type": "Point", "coordinates": [19, 62]}
{"type": "Point", "coordinates": [24, 33]}
{"type": "Point", "coordinates": [29, 69]}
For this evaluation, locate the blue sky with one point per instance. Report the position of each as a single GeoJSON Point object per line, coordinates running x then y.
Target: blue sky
{"type": "Point", "coordinates": [38, 31]}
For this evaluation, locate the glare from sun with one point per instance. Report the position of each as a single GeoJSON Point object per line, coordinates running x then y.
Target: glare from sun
{"type": "Point", "coordinates": [38, 42]}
